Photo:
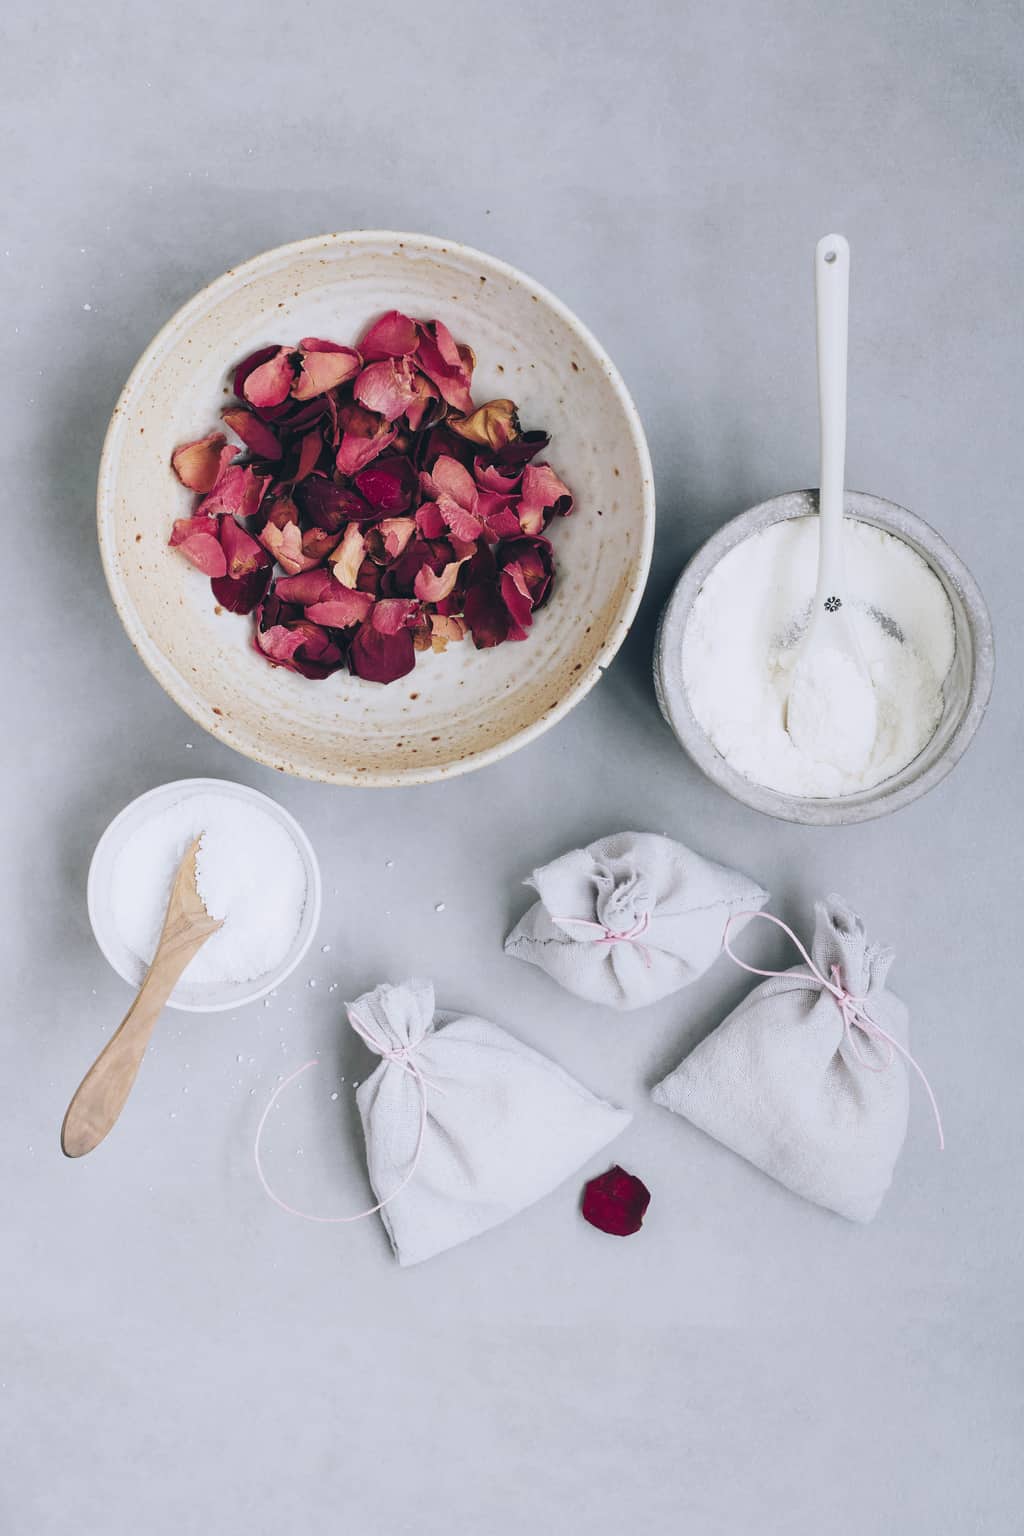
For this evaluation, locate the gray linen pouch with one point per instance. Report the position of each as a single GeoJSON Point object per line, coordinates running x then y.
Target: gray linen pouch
{"type": "Point", "coordinates": [782, 1083]}
{"type": "Point", "coordinates": [496, 1124]}
{"type": "Point", "coordinates": [630, 918]}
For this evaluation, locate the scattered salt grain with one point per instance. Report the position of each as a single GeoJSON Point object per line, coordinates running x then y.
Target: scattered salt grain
{"type": "Point", "coordinates": [439, 907]}
{"type": "Point", "coordinates": [325, 949]}
{"type": "Point", "coordinates": [334, 1095]}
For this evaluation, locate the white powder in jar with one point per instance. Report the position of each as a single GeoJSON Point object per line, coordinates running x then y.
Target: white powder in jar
{"type": "Point", "coordinates": [248, 872]}
{"type": "Point", "coordinates": [743, 634]}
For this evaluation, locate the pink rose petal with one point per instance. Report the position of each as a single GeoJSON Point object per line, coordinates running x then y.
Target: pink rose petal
{"type": "Point", "coordinates": [388, 387]}
{"type": "Point", "coordinates": [199, 465]}
{"type": "Point", "coordinates": [270, 383]}
{"type": "Point", "coordinates": [393, 335]}
{"type": "Point", "coordinates": [445, 364]}
{"type": "Point", "coordinates": [430, 588]}
{"type": "Point", "coordinates": [196, 538]}
{"type": "Point", "coordinates": [323, 366]}
{"type": "Point", "coordinates": [397, 531]}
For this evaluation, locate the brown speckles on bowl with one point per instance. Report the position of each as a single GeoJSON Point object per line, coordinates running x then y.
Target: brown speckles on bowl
{"type": "Point", "coordinates": [472, 707]}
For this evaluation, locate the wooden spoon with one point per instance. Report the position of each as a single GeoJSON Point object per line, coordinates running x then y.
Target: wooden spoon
{"type": "Point", "coordinates": [102, 1093]}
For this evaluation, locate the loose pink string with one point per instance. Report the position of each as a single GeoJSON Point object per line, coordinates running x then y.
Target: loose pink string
{"type": "Point", "coordinates": [399, 1056]}
{"type": "Point", "coordinates": [853, 1009]}
{"type": "Point", "coordinates": [609, 936]}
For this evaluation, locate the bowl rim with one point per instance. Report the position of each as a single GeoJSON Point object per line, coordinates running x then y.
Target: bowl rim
{"type": "Point", "coordinates": [312, 911]}
{"type": "Point", "coordinates": [168, 677]}
{"type": "Point", "coordinates": [838, 810]}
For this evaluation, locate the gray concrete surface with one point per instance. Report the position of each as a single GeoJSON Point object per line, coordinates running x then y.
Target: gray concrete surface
{"type": "Point", "coordinates": [177, 1355]}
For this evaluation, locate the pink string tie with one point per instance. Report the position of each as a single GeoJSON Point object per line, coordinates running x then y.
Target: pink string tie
{"type": "Point", "coordinates": [853, 1010]}
{"type": "Point", "coordinates": [609, 935]}
{"type": "Point", "coordinates": [399, 1056]}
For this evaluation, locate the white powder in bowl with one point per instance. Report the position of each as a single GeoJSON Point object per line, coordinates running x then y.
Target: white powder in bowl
{"type": "Point", "coordinates": [248, 872]}
{"type": "Point", "coordinates": [744, 630]}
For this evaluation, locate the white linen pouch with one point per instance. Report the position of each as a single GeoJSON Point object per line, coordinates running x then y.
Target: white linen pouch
{"type": "Point", "coordinates": [784, 1083]}
{"type": "Point", "coordinates": [630, 918]}
{"type": "Point", "coordinates": [464, 1121]}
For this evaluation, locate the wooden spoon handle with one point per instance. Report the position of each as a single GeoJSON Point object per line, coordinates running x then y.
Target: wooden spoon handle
{"type": "Point", "coordinates": [101, 1095]}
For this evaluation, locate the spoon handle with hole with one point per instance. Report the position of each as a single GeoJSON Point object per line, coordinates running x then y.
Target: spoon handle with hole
{"type": "Point", "coordinates": [832, 304]}
{"type": "Point", "coordinates": [104, 1089]}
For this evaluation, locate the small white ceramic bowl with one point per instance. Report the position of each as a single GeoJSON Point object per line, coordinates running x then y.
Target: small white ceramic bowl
{"type": "Point", "coordinates": [190, 997]}
{"type": "Point", "coordinates": [966, 689]}
{"type": "Point", "coordinates": [456, 711]}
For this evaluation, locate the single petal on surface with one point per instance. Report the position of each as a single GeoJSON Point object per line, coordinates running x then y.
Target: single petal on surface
{"type": "Point", "coordinates": [380, 657]}
{"type": "Point", "coordinates": [616, 1202]}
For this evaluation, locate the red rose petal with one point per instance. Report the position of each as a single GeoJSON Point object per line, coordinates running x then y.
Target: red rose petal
{"type": "Point", "coordinates": [255, 434]}
{"type": "Point", "coordinates": [616, 1202]}
{"type": "Point", "coordinates": [429, 521]}
{"type": "Point", "coordinates": [245, 593]}
{"type": "Point", "coordinates": [242, 552]}
{"type": "Point", "coordinates": [363, 436]}
{"type": "Point", "coordinates": [488, 618]}
{"type": "Point", "coordinates": [388, 484]}
{"type": "Point", "coordinates": [381, 658]}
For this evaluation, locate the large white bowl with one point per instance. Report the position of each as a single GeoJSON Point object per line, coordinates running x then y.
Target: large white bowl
{"type": "Point", "coordinates": [456, 711]}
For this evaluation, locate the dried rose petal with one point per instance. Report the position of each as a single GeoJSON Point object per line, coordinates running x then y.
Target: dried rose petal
{"type": "Point", "coordinates": [242, 595]}
{"type": "Point", "coordinates": [445, 629]}
{"type": "Point", "coordinates": [363, 436]}
{"type": "Point", "coordinates": [310, 450]}
{"type": "Point", "coordinates": [487, 615]}
{"type": "Point", "coordinates": [543, 496]}
{"type": "Point", "coordinates": [616, 1202]}
{"type": "Point", "coordinates": [295, 642]}
{"type": "Point", "coordinates": [379, 657]}
{"type": "Point", "coordinates": [270, 383]}
{"type": "Point", "coordinates": [425, 404]}
{"type": "Point", "coordinates": [393, 335]}
{"type": "Point", "coordinates": [431, 588]}
{"type": "Point", "coordinates": [282, 537]}
{"type": "Point", "coordinates": [533, 558]}
{"type": "Point", "coordinates": [495, 477]}
{"type": "Point", "coordinates": [238, 493]}
{"type": "Point", "coordinates": [331, 506]}
{"type": "Point", "coordinates": [249, 365]}
{"type": "Point", "coordinates": [241, 551]}
{"type": "Point", "coordinates": [304, 589]}
{"type": "Point", "coordinates": [317, 543]}
{"type": "Point", "coordinates": [396, 533]}
{"type": "Point", "coordinates": [387, 387]}
{"type": "Point", "coordinates": [448, 477]}
{"type": "Point", "coordinates": [448, 366]}
{"type": "Point", "coordinates": [348, 557]}
{"type": "Point", "coordinates": [499, 517]}
{"type": "Point", "coordinates": [199, 465]}
{"type": "Point", "coordinates": [197, 539]}
{"type": "Point", "coordinates": [388, 484]}
{"type": "Point", "coordinates": [255, 434]}
{"type": "Point", "coordinates": [491, 425]}
{"type": "Point", "coordinates": [323, 366]}
{"type": "Point", "coordinates": [341, 607]}
{"type": "Point", "coordinates": [429, 521]}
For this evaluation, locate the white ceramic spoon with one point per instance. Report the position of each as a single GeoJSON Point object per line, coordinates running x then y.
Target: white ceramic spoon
{"type": "Point", "coordinates": [831, 713]}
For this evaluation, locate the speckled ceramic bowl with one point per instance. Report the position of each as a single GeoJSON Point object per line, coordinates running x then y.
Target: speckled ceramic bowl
{"type": "Point", "coordinates": [456, 711]}
{"type": "Point", "coordinates": [966, 689]}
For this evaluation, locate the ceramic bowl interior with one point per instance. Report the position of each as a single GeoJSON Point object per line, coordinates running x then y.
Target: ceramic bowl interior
{"type": "Point", "coordinates": [456, 711]}
{"type": "Point", "coordinates": [966, 689]}
{"type": "Point", "coordinates": [190, 997]}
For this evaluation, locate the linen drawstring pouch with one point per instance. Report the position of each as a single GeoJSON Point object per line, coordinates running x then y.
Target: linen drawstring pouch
{"type": "Point", "coordinates": [464, 1124]}
{"type": "Point", "coordinates": [807, 1078]}
{"type": "Point", "coordinates": [630, 918]}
